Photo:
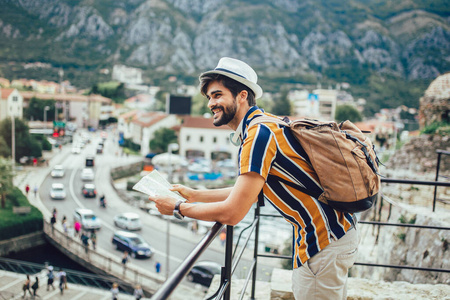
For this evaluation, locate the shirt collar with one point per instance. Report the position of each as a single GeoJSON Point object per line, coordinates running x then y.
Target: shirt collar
{"type": "Point", "coordinates": [236, 137]}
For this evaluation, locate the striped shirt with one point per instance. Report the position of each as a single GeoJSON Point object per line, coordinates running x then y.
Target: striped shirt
{"type": "Point", "coordinates": [272, 151]}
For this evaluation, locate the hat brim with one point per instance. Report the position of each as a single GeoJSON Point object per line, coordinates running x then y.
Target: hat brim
{"type": "Point", "coordinates": [253, 86]}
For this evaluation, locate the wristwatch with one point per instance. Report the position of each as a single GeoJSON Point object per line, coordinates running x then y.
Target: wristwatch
{"type": "Point", "coordinates": [176, 211]}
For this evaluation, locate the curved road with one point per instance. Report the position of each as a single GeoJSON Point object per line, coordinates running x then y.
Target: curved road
{"type": "Point", "coordinates": [152, 230]}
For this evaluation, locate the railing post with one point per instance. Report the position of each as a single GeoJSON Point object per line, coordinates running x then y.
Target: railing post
{"type": "Point", "coordinates": [255, 251]}
{"type": "Point", "coordinates": [436, 178]}
{"type": "Point", "coordinates": [228, 261]}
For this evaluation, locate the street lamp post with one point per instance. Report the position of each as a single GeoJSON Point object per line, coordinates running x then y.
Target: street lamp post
{"type": "Point", "coordinates": [46, 109]}
{"type": "Point", "coordinates": [13, 143]}
{"type": "Point", "coordinates": [170, 148]}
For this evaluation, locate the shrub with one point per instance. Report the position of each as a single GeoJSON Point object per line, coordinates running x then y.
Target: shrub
{"type": "Point", "coordinates": [13, 225]}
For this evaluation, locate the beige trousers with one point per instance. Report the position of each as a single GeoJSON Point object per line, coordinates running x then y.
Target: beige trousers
{"type": "Point", "coordinates": [324, 276]}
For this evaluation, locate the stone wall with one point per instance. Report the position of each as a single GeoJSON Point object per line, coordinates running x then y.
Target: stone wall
{"type": "Point", "coordinates": [435, 104]}
{"type": "Point", "coordinates": [418, 157]}
{"type": "Point", "coordinates": [417, 247]}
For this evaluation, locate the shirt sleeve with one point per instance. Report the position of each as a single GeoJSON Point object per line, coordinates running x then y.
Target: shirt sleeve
{"type": "Point", "coordinates": [258, 151]}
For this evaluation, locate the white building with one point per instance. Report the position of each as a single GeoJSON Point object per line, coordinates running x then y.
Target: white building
{"type": "Point", "coordinates": [83, 110]}
{"type": "Point", "coordinates": [320, 104]}
{"type": "Point", "coordinates": [127, 75]}
{"type": "Point", "coordinates": [200, 138]}
{"type": "Point", "coordinates": [11, 104]}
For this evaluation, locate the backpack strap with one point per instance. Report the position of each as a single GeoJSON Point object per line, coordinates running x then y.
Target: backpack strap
{"type": "Point", "coordinates": [268, 119]}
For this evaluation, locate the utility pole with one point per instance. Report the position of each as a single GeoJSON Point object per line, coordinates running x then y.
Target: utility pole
{"type": "Point", "coordinates": [13, 142]}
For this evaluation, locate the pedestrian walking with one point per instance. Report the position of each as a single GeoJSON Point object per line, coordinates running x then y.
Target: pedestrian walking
{"type": "Point", "coordinates": [62, 281]}
{"type": "Point", "coordinates": [50, 277]}
{"type": "Point", "coordinates": [34, 161]}
{"type": "Point", "coordinates": [77, 227]}
{"type": "Point", "coordinates": [64, 225]}
{"type": "Point", "coordinates": [35, 190]}
{"type": "Point", "coordinates": [26, 287]}
{"type": "Point", "coordinates": [85, 241]}
{"type": "Point", "coordinates": [274, 167]}
{"type": "Point", "coordinates": [125, 259]}
{"type": "Point", "coordinates": [52, 223]}
{"type": "Point", "coordinates": [35, 286]}
{"type": "Point", "coordinates": [27, 189]}
{"type": "Point", "coordinates": [93, 238]}
{"type": "Point", "coordinates": [115, 291]}
{"type": "Point", "coordinates": [138, 292]}
{"type": "Point", "coordinates": [158, 267]}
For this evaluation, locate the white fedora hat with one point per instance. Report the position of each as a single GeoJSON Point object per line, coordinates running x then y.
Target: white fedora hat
{"type": "Point", "coordinates": [239, 71]}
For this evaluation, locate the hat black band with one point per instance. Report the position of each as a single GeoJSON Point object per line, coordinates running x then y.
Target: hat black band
{"type": "Point", "coordinates": [228, 71]}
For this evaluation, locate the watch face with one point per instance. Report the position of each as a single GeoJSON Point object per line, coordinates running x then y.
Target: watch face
{"type": "Point", "coordinates": [177, 215]}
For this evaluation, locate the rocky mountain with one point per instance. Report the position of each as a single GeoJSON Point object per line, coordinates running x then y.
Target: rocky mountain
{"type": "Point", "coordinates": [303, 40]}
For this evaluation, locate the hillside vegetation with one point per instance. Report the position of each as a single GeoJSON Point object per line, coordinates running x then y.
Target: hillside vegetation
{"type": "Point", "coordinates": [372, 44]}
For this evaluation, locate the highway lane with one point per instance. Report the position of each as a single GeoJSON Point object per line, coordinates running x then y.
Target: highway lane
{"type": "Point", "coordinates": [179, 248]}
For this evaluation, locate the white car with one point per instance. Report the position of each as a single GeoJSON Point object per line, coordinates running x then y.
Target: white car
{"type": "Point", "coordinates": [128, 221]}
{"type": "Point", "coordinates": [76, 150]}
{"type": "Point", "coordinates": [87, 174]}
{"type": "Point", "coordinates": [87, 219]}
{"type": "Point", "coordinates": [58, 192]}
{"type": "Point", "coordinates": [58, 171]}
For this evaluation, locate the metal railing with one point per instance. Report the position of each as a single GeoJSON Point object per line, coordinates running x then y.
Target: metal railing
{"type": "Point", "coordinates": [233, 258]}
{"type": "Point", "coordinates": [75, 277]}
{"type": "Point", "coordinates": [102, 262]}
{"type": "Point", "coordinates": [172, 282]}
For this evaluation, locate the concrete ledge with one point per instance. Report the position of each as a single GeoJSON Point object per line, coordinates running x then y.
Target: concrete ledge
{"type": "Point", "coordinates": [22, 242]}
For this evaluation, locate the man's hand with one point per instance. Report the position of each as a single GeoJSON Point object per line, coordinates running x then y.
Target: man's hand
{"type": "Point", "coordinates": [164, 204]}
{"type": "Point", "coordinates": [186, 192]}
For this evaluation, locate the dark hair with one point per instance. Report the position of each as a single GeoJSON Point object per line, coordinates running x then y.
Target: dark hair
{"type": "Point", "coordinates": [234, 86]}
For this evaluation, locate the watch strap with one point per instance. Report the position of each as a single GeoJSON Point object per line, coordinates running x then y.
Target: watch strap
{"type": "Point", "coordinates": [177, 207]}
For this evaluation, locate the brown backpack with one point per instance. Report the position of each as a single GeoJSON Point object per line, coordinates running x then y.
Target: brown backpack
{"type": "Point", "coordinates": [343, 158]}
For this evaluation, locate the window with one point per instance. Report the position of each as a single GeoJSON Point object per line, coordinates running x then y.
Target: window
{"type": "Point", "coordinates": [214, 140]}
{"type": "Point", "coordinates": [201, 139]}
{"type": "Point", "coordinates": [188, 137]}
{"type": "Point", "coordinates": [228, 140]}
{"type": "Point", "coordinates": [15, 98]}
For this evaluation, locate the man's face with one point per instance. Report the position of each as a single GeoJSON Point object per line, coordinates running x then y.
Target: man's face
{"type": "Point", "coordinates": [221, 103]}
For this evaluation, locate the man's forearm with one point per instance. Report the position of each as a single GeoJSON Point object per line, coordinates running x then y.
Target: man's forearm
{"type": "Point", "coordinates": [207, 196]}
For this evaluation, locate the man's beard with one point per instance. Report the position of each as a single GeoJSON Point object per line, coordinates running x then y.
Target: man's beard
{"type": "Point", "coordinates": [228, 114]}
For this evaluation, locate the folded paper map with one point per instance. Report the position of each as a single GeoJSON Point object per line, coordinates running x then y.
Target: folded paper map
{"type": "Point", "coordinates": [154, 184]}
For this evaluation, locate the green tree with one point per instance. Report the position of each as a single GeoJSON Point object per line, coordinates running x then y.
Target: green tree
{"type": "Point", "coordinates": [25, 144]}
{"type": "Point", "coordinates": [160, 98]}
{"type": "Point", "coordinates": [282, 106]}
{"type": "Point", "coordinates": [347, 112]}
{"type": "Point", "coordinates": [199, 105]}
{"type": "Point", "coordinates": [161, 140]}
{"type": "Point", "coordinates": [6, 179]}
{"type": "Point", "coordinates": [36, 107]}
{"type": "Point", "coordinates": [114, 90]}
{"type": "Point", "coordinates": [5, 151]}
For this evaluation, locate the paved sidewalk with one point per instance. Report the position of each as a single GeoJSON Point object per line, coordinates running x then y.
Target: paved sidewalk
{"type": "Point", "coordinates": [11, 288]}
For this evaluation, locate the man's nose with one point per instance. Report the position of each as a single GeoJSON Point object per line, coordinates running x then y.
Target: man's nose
{"type": "Point", "coordinates": [211, 103]}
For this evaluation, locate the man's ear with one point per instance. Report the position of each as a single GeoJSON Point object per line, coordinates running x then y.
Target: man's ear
{"type": "Point", "coordinates": [243, 96]}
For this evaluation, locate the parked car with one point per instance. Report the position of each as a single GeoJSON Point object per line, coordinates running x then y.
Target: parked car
{"type": "Point", "coordinates": [87, 219]}
{"type": "Point", "coordinates": [58, 171]}
{"type": "Point", "coordinates": [128, 221]}
{"type": "Point", "coordinates": [57, 191]}
{"type": "Point", "coordinates": [89, 190]}
{"type": "Point", "coordinates": [203, 272]}
{"type": "Point", "coordinates": [133, 243]}
{"type": "Point", "coordinates": [87, 174]}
